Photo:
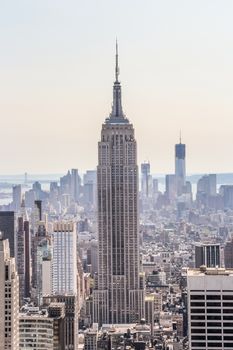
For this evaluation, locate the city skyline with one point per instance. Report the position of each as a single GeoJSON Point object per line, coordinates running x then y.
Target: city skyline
{"type": "Point", "coordinates": [56, 70]}
{"type": "Point", "coordinates": [111, 238]}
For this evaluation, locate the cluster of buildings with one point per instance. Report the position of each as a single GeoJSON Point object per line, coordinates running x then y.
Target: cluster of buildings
{"type": "Point", "coordinates": [95, 264]}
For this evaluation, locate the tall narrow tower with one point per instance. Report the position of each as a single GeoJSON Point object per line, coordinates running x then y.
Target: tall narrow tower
{"type": "Point", "coordinates": [180, 170]}
{"type": "Point", "coordinates": [9, 299]}
{"type": "Point", "coordinates": [118, 297]}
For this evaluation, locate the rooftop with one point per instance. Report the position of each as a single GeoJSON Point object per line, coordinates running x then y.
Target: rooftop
{"type": "Point", "coordinates": [203, 270]}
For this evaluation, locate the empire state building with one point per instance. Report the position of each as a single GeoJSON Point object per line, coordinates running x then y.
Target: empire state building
{"type": "Point", "coordinates": [119, 293]}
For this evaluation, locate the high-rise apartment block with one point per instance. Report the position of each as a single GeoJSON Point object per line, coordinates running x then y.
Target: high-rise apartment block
{"type": "Point", "coordinates": [64, 262]}
{"type": "Point", "coordinates": [9, 299]}
{"type": "Point", "coordinates": [118, 297]}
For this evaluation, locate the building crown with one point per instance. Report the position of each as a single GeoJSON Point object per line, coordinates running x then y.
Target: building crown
{"type": "Point", "coordinates": [116, 116]}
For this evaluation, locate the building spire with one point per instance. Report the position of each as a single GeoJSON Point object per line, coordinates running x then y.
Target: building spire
{"type": "Point", "coordinates": [117, 115]}
{"type": "Point", "coordinates": [180, 136]}
{"type": "Point", "coordinates": [117, 71]}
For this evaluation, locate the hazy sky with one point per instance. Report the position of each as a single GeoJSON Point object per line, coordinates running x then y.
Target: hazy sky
{"type": "Point", "coordinates": [57, 72]}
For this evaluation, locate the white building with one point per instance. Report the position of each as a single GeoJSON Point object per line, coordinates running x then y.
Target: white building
{"type": "Point", "coordinates": [64, 260]}
{"type": "Point", "coordinates": [9, 299]}
{"type": "Point", "coordinates": [35, 331]}
{"type": "Point", "coordinates": [17, 197]}
{"type": "Point", "coordinates": [210, 308]}
{"type": "Point", "coordinates": [43, 269]}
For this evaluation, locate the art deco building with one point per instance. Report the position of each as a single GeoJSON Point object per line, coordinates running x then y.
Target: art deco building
{"type": "Point", "coordinates": [118, 297]}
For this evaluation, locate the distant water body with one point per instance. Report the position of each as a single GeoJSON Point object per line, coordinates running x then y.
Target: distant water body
{"type": "Point", "coordinates": [8, 181]}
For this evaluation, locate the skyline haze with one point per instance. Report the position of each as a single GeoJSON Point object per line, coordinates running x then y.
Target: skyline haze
{"type": "Point", "coordinates": [56, 73]}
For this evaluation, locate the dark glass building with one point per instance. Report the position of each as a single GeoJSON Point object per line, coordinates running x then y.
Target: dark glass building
{"type": "Point", "coordinates": [180, 169]}
{"type": "Point", "coordinates": [180, 150]}
{"type": "Point", "coordinates": [207, 254]}
{"type": "Point", "coordinates": [7, 227]}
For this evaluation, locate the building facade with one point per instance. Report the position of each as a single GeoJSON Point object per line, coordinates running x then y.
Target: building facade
{"type": "Point", "coordinates": [171, 189]}
{"type": "Point", "coordinates": [228, 254]}
{"type": "Point", "coordinates": [64, 261]}
{"type": "Point", "coordinates": [210, 308]}
{"type": "Point", "coordinates": [36, 332]}
{"type": "Point", "coordinates": [69, 327]}
{"type": "Point", "coordinates": [207, 254]}
{"type": "Point", "coordinates": [9, 299]}
{"type": "Point", "coordinates": [7, 227]}
{"type": "Point", "coordinates": [23, 257]}
{"type": "Point", "coordinates": [146, 179]}
{"type": "Point", "coordinates": [17, 197]}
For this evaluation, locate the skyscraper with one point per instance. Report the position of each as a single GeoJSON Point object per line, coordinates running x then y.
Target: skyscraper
{"type": "Point", "coordinates": [75, 184]}
{"type": "Point", "coordinates": [37, 212]}
{"type": "Point", "coordinates": [146, 179]}
{"type": "Point", "coordinates": [64, 263]}
{"type": "Point", "coordinates": [118, 297]}
{"type": "Point", "coordinates": [17, 197]}
{"type": "Point", "coordinates": [7, 227]}
{"type": "Point", "coordinates": [38, 233]}
{"type": "Point", "coordinates": [89, 188]}
{"type": "Point", "coordinates": [170, 181]}
{"type": "Point", "coordinates": [23, 257]}
{"type": "Point", "coordinates": [206, 187]}
{"type": "Point", "coordinates": [9, 299]}
{"type": "Point", "coordinates": [180, 170]}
